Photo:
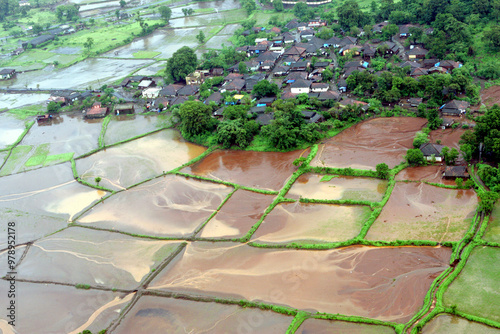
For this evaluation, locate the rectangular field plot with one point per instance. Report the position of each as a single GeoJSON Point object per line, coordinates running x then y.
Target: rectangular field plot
{"type": "Point", "coordinates": [493, 229]}
{"type": "Point", "coordinates": [132, 162]}
{"type": "Point", "coordinates": [264, 170]}
{"type": "Point", "coordinates": [156, 315]}
{"type": "Point", "coordinates": [475, 290]}
{"type": "Point", "coordinates": [311, 223]}
{"type": "Point", "coordinates": [445, 324]}
{"type": "Point", "coordinates": [169, 206]}
{"type": "Point", "coordinates": [385, 283]}
{"type": "Point", "coordinates": [124, 127]}
{"type": "Point", "coordinates": [97, 258]}
{"type": "Point", "coordinates": [432, 174]}
{"type": "Point", "coordinates": [237, 215]}
{"type": "Point", "coordinates": [320, 326]}
{"type": "Point", "coordinates": [315, 186]}
{"type": "Point", "coordinates": [417, 211]}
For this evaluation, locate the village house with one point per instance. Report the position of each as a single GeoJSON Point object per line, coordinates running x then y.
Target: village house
{"type": "Point", "coordinates": [307, 34]}
{"type": "Point", "coordinates": [351, 48]}
{"type": "Point", "coordinates": [300, 86]}
{"type": "Point", "coordinates": [404, 30]}
{"type": "Point", "coordinates": [170, 90]}
{"type": "Point", "coordinates": [454, 108]}
{"type": "Point", "coordinates": [124, 108]}
{"type": "Point", "coordinates": [265, 101]}
{"type": "Point", "coordinates": [235, 85]}
{"type": "Point", "coordinates": [379, 26]}
{"type": "Point", "coordinates": [279, 71]}
{"type": "Point", "coordinates": [151, 93]}
{"type": "Point", "coordinates": [37, 41]}
{"type": "Point", "coordinates": [312, 116]}
{"type": "Point", "coordinates": [417, 53]}
{"type": "Point", "coordinates": [96, 111]}
{"type": "Point", "coordinates": [318, 87]}
{"type": "Point", "coordinates": [316, 23]}
{"type": "Point", "coordinates": [432, 151]}
{"type": "Point", "coordinates": [195, 78]}
{"type": "Point", "coordinates": [454, 172]}
{"type": "Point", "coordinates": [188, 90]}
{"type": "Point", "coordinates": [144, 84]}
{"type": "Point", "coordinates": [7, 73]}
{"type": "Point", "coordinates": [294, 76]}
{"type": "Point", "coordinates": [215, 97]}
{"type": "Point", "coordinates": [329, 95]}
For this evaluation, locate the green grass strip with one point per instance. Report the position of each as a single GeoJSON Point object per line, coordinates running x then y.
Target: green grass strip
{"type": "Point", "coordinates": [469, 235]}
{"type": "Point", "coordinates": [336, 201]}
{"type": "Point", "coordinates": [28, 126]}
{"type": "Point", "coordinates": [484, 225]}
{"type": "Point", "coordinates": [297, 321]}
{"type": "Point", "coordinates": [354, 319]}
{"type": "Point", "coordinates": [39, 156]}
{"type": "Point", "coordinates": [58, 158]}
{"type": "Point", "coordinates": [426, 319]}
{"type": "Point", "coordinates": [12, 159]}
{"type": "Point", "coordinates": [475, 318]}
{"type": "Point", "coordinates": [104, 127]}
{"type": "Point", "coordinates": [440, 185]}
{"type": "Point", "coordinates": [345, 171]}
{"type": "Point", "coordinates": [215, 212]}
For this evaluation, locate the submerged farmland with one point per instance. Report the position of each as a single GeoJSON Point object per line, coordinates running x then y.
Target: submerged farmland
{"type": "Point", "coordinates": [139, 231]}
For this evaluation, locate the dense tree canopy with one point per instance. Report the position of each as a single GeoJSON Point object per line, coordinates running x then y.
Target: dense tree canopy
{"type": "Point", "coordinates": [487, 130]}
{"type": "Point", "coordinates": [265, 88]}
{"type": "Point", "coordinates": [182, 63]}
{"type": "Point", "coordinates": [350, 15]}
{"type": "Point", "coordinates": [195, 119]}
{"type": "Point", "coordinates": [165, 12]}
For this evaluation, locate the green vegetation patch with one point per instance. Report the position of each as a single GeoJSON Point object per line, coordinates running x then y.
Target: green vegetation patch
{"type": "Point", "coordinates": [28, 111]}
{"type": "Point", "coordinates": [475, 291]}
{"type": "Point", "coordinates": [327, 178]}
{"type": "Point", "coordinates": [39, 156]}
{"type": "Point", "coordinates": [16, 158]}
{"type": "Point", "coordinates": [58, 158]}
{"type": "Point", "coordinates": [493, 231]}
{"type": "Point", "coordinates": [146, 54]}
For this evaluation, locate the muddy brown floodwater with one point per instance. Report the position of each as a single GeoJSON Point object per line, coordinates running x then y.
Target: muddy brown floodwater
{"type": "Point", "coordinates": [84, 256]}
{"type": "Point", "coordinates": [369, 143]}
{"type": "Point", "coordinates": [338, 188]}
{"type": "Point", "coordinates": [265, 170]}
{"type": "Point", "coordinates": [155, 315]}
{"type": "Point", "coordinates": [448, 137]}
{"type": "Point", "coordinates": [445, 324]}
{"type": "Point", "coordinates": [166, 206]}
{"type": "Point", "coordinates": [49, 308]}
{"type": "Point", "coordinates": [383, 283]}
{"type": "Point", "coordinates": [432, 174]}
{"type": "Point", "coordinates": [130, 163]}
{"type": "Point", "coordinates": [237, 215]}
{"type": "Point", "coordinates": [417, 211]}
{"type": "Point", "coordinates": [318, 326]}
{"type": "Point", "coordinates": [293, 222]}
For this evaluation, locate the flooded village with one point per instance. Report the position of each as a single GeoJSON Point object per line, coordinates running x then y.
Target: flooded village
{"type": "Point", "coordinates": [247, 167]}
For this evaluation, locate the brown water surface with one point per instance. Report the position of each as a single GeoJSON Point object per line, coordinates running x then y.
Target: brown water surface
{"type": "Point", "coordinates": [237, 215]}
{"type": "Point", "coordinates": [166, 206]}
{"type": "Point", "coordinates": [319, 326]}
{"type": "Point", "coordinates": [385, 283]}
{"type": "Point", "coordinates": [78, 255]}
{"type": "Point", "coordinates": [445, 324]}
{"type": "Point", "coordinates": [339, 188]}
{"type": "Point", "coordinates": [366, 144]}
{"type": "Point", "coordinates": [130, 163]}
{"type": "Point", "coordinates": [432, 174]}
{"type": "Point", "coordinates": [417, 211]}
{"type": "Point", "coordinates": [449, 137]}
{"type": "Point", "coordinates": [155, 315]}
{"type": "Point", "coordinates": [292, 222]}
{"type": "Point", "coordinates": [265, 170]}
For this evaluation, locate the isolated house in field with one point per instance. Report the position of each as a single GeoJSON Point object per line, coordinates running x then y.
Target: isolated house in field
{"type": "Point", "coordinates": [431, 151]}
{"type": "Point", "coordinates": [454, 108]}
{"type": "Point", "coordinates": [97, 111]}
{"type": "Point", "coordinates": [7, 73]}
{"type": "Point", "coordinates": [454, 172]}
{"type": "Point", "coordinates": [124, 108]}
{"type": "Point", "coordinates": [35, 42]}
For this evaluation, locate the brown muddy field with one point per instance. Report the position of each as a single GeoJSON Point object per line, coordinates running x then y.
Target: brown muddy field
{"type": "Point", "coordinates": [449, 137]}
{"type": "Point", "coordinates": [264, 170]}
{"type": "Point", "coordinates": [154, 315]}
{"type": "Point", "coordinates": [491, 96]}
{"type": "Point", "coordinates": [382, 283]}
{"type": "Point", "coordinates": [237, 215]}
{"type": "Point", "coordinates": [306, 222]}
{"type": "Point", "coordinates": [43, 201]}
{"type": "Point", "coordinates": [445, 324]}
{"type": "Point", "coordinates": [339, 188]}
{"type": "Point", "coordinates": [320, 326]}
{"type": "Point", "coordinates": [369, 143]}
{"type": "Point", "coordinates": [124, 165]}
{"type": "Point", "coordinates": [98, 258]}
{"type": "Point", "coordinates": [417, 211]}
{"type": "Point", "coordinates": [167, 206]}
{"type": "Point", "coordinates": [432, 174]}
{"type": "Point", "coordinates": [49, 308]}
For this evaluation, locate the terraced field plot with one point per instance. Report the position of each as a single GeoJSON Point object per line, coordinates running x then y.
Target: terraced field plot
{"type": "Point", "coordinates": [226, 245]}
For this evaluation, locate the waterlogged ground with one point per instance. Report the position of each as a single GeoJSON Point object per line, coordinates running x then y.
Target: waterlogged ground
{"type": "Point", "coordinates": [125, 226]}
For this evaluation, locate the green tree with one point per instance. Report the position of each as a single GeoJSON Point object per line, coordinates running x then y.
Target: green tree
{"type": "Point", "coordinates": [414, 157]}
{"type": "Point", "coordinates": [433, 119]}
{"type": "Point", "coordinates": [53, 107]}
{"type": "Point", "coordinates": [420, 138]}
{"type": "Point", "coordinates": [88, 44]}
{"type": "Point", "coordinates": [326, 75]}
{"type": "Point", "coordinates": [278, 5]}
{"type": "Point", "coordinates": [382, 170]}
{"type": "Point", "coordinates": [487, 130]}
{"type": "Point", "coordinates": [182, 63]}
{"type": "Point", "coordinates": [233, 132]}
{"type": "Point", "coordinates": [201, 37]}
{"type": "Point", "coordinates": [325, 33]}
{"type": "Point", "coordinates": [123, 3]}
{"type": "Point", "coordinates": [195, 119]}
{"type": "Point", "coordinates": [301, 10]}
{"type": "Point", "coordinates": [492, 37]}
{"type": "Point", "coordinates": [388, 31]}
{"type": "Point", "coordinates": [165, 12]}
{"type": "Point", "coordinates": [242, 68]}
{"type": "Point", "coordinates": [350, 15]}
{"type": "Point", "coordinates": [117, 13]}
{"type": "Point", "coordinates": [265, 88]}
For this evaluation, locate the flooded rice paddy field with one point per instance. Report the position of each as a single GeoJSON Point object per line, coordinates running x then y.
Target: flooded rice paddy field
{"type": "Point", "coordinates": [303, 280]}
{"type": "Point", "coordinates": [17, 100]}
{"type": "Point", "coordinates": [444, 324]}
{"type": "Point", "coordinates": [319, 326]}
{"type": "Point", "coordinates": [366, 144]}
{"type": "Point", "coordinates": [132, 252]}
{"type": "Point", "coordinates": [10, 129]}
{"type": "Point", "coordinates": [493, 230]}
{"type": "Point", "coordinates": [154, 315]}
{"type": "Point", "coordinates": [417, 211]}
{"type": "Point", "coordinates": [311, 223]}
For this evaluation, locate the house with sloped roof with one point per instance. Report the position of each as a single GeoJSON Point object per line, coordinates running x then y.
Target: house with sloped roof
{"type": "Point", "coordinates": [300, 86]}
{"type": "Point", "coordinates": [379, 26]}
{"type": "Point", "coordinates": [418, 71]}
{"type": "Point", "coordinates": [454, 172]}
{"type": "Point", "coordinates": [188, 90]}
{"type": "Point", "coordinates": [235, 85]}
{"type": "Point", "coordinates": [417, 53]}
{"type": "Point", "coordinates": [293, 76]}
{"type": "Point", "coordinates": [329, 95]}
{"type": "Point", "coordinates": [264, 119]}
{"type": "Point", "coordinates": [411, 64]}
{"type": "Point", "coordinates": [170, 90]}
{"type": "Point", "coordinates": [288, 38]}
{"type": "Point", "coordinates": [348, 40]}
{"type": "Point", "coordinates": [334, 41]}
{"type": "Point", "coordinates": [215, 97]}
{"type": "Point", "coordinates": [318, 87]}
{"type": "Point", "coordinates": [295, 51]}
{"type": "Point", "coordinates": [280, 71]}
{"type": "Point", "coordinates": [404, 30]}
{"type": "Point", "coordinates": [7, 73]}
{"type": "Point", "coordinates": [96, 111]}
{"type": "Point", "coordinates": [432, 151]}
{"type": "Point", "coordinates": [307, 34]}
{"type": "Point", "coordinates": [454, 108]}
